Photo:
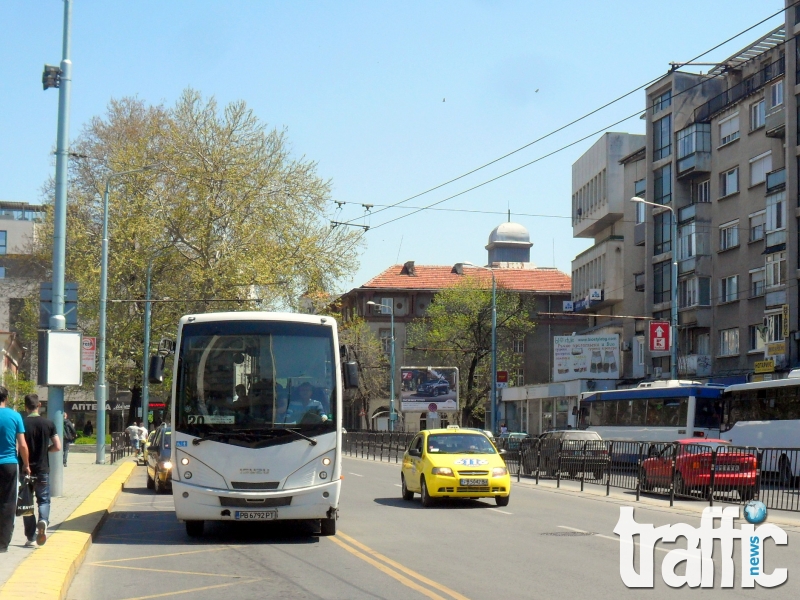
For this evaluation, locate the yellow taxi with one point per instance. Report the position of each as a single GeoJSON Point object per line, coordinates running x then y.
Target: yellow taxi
{"type": "Point", "coordinates": [454, 463]}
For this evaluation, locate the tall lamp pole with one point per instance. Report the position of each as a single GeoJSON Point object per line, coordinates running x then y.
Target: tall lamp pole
{"type": "Point", "coordinates": [493, 402]}
{"type": "Point", "coordinates": [60, 77]}
{"type": "Point", "coordinates": [148, 307]}
{"type": "Point", "coordinates": [674, 282]}
{"type": "Point", "coordinates": [101, 386]}
{"type": "Point", "coordinates": [392, 413]}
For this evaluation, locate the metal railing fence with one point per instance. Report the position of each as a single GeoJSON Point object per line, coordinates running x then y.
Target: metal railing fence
{"type": "Point", "coordinates": [704, 472]}
{"type": "Point", "coordinates": [120, 446]}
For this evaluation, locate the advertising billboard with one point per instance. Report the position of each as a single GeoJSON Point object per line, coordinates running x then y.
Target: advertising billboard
{"type": "Point", "coordinates": [428, 389]}
{"type": "Point", "coordinates": [586, 357]}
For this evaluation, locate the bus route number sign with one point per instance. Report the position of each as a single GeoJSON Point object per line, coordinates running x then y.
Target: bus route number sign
{"type": "Point", "coordinates": [659, 336]}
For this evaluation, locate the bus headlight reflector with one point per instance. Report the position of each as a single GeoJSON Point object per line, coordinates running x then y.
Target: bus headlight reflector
{"type": "Point", "coordinates": [326, 461]}
{"type": "Point", "coordinates": [187, 474]}
{"type": "Point", "coordinates": [323, 475]}
{"type": "Point", "coordinates": [184, 461]}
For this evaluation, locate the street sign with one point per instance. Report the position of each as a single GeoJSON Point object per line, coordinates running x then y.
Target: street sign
{"type": "Point", "coordinates": [659, 336]}
{"type": "Point", "coordinates": [70, 304]}
{"type": "Point", "coordinates": [502, 379]}
{"type": "Point", "coordinates": [785, 324]}
{"type": "Point", "coordinates": [88, 354]}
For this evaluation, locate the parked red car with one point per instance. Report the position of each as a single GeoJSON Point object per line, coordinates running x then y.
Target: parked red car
{"type": "Point", "coordinates": [735, 469]}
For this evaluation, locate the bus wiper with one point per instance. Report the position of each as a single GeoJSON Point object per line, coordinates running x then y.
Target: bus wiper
{"type": "Point", "coordinates": [311, 441]}
{"type": "Point", "coordinates": [211, 435]}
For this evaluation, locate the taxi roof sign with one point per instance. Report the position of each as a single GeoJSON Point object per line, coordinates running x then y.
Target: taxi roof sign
{"type": "Point", "coordinates": [453, 427]}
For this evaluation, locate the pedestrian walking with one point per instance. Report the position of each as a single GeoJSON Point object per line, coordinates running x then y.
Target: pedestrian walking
{"type": "Point", "coordinates": [12, 444]}
{"type": "Point", "coordinates": [132, 432]}
{"type": "Point", "coordinates": [143, 439]}
{"type": "Point", "coordinates": [88, 430]}
{"type": "Point", "coordinates": [41, 437]}
{"type": "Point", "coordinates": [70, 435]}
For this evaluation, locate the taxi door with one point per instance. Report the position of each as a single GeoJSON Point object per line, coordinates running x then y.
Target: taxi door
{"type": "Point", "coordinates": [412, 464]}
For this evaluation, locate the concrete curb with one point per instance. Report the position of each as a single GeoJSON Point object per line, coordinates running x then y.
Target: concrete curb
{"type": "Point", "coordinates": [48, 572]}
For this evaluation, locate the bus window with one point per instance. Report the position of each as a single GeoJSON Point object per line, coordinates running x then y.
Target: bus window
{"type": "Point", "coordinates": [638, 411]}
{"type": "Point", "coordinates": [624, 408]}
{"type": "Point", "coordinates": [707, 413]}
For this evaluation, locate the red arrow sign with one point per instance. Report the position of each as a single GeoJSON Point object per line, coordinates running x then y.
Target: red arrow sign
{"type": "Point", "coordinates": [659, 336]}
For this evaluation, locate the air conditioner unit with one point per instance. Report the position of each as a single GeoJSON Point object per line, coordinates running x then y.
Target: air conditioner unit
{"type": "Point", "coordinates": [657, 371]}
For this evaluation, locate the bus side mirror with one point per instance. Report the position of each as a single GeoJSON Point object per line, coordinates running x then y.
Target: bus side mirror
{"type": "Point", "coordinates": [156, 372]}
{"type": "Point", "coordinates": [351, 375]}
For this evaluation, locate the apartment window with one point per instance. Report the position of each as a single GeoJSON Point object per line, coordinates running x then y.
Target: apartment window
{"type": "Point", "coordinates": [662, 282]}
{"type": "Point", "coordinates": [687, 241]}
{"type": "Point", "coordinates": [757, 115]}
{"type": "Point", "coordinates": [729, 342]}
{"type": "Point", "coordinates": [639, 349]}
{"type": "Point", "coordinates": [759, 167]}
{"type": "Point", "coordinates": [774, 329]}
{"type": "Point", "coordinates": [695, 138]}
{"type": "Point", "coordinates": [663, 101]}
{"type": "Point", "coordinates": [756, 283]}
{"type": "Point", "coordinates": [776, 94]}
{"type": "Point", "coordinates": [519, 345]}
{"type": "Point", "coordinates": [695, 291]}
{"type": "Point", "coordinates": [520, 377]}
{"type": "Point", "coordinates": [3, 242]}
{"type": "Point", "coordinates": [729, 129]}
{"type": "Point", "coordinates": [729, 182]}
{"type": "Point", "coordinates": [702, 192]}
{"type": "Point", "coordinates": [729, 289]}
{"type": "Point", "coordinates": [639, 190]}
{"type": "Point", "coordinates": [757, 222]}
{"type": "Point", "coordinates": [662, 184]}
{"type": "Point", "coordinates": [641, 212]}
{"type": "Point", "coordinates": [776, 212]}
{"type": "Point", "coordinates": [729, 235]}
{"type": "Point", "coordinates": [662, 233]}
{"type": "Point", "coordinates": [638, 282]}
{"type": "Point", "coordinates": [385, 336]}
{"type": "Point", "coordinates": [662, 138]}
{"type": "Point", "coordinates": [757, 336]}
{"type": "Point", "coordinates": [775, 269]}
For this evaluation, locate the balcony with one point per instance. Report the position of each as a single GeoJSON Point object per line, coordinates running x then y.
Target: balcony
{"type": "Point", "coordinates": [776, 180]}
{"type": "Point", "coordinates": [694, 150]}
{"type": "Point", "coordinates": [639, 234]}
{"type": "Point", "coordinates": [600, 267]}
{"type": "Point", "coordinates": [776, 122]}
{"type": "Point", "coordinates": [775, 238]}
{"type": "Point", "coordinates": [776, 298]}
{"type": "Point", "coordinates": [698, 365]}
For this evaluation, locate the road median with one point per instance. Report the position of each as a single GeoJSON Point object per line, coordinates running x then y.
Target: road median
{"type": "Point", "coordinates": [47, 573]}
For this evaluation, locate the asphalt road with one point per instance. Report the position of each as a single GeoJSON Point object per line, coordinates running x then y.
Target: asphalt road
{"type": "Point", "coordinates": [545, 544]}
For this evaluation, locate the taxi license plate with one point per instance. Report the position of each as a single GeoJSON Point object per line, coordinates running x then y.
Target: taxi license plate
{"type": "Point", "coordinates": [256, 515]}
{"type": "Point", "coordinates": [479, 482]}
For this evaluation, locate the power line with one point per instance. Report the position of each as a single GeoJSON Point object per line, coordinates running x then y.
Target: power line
{"type": "Point", "coordinates": [563, 127]}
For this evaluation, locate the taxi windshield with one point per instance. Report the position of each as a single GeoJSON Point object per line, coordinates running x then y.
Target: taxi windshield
{"type": "Point", "coordinates": [459, 443]}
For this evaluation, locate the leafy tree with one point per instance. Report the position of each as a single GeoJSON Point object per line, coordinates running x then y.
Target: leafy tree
{"type": "Point", "coordinates": [17, 386]}
{"type": "Point", "coordinates": [457, 331]}
{"type": "Point", "coordinates": [227, 217]}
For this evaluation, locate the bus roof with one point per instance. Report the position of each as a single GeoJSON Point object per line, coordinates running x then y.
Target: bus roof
{"type": "Point", "coordinates": [212, 317]}
{"type": "Point", "coordinates": [681, 391]}
{"type": "Point", "coordinates": [763, 385]}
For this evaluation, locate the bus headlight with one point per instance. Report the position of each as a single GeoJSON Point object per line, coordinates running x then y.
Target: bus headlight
{"type": "Point", "coordinates": [184, 461]}
{"type": "Point", "coordinates": [310, 473]}
{"type": "Point", "coordinates": [326, 461]}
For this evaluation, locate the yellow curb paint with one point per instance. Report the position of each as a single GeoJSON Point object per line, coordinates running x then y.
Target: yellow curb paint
{"type": "Point", "coordinates": [48, 572]}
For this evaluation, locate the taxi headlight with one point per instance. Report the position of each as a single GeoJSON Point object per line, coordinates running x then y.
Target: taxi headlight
{"type": "Point", "coordinates": [166, 465]}
{"type": "Point", "coordinates": [446, 471]}
{"type": "Point", "coordinates": [499, 472]}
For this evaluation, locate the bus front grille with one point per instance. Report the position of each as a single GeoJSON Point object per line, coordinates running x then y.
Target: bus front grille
{"type": "Point", "coordinates": [254, 502]}
{"type": "Point", "coordinates": [255, 485]}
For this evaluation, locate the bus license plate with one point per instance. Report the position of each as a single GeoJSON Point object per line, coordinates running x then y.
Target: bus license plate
{"type": "Point", "coordinates": [256, 515]}
{"type": "Point", "coordinates": [479, 482]}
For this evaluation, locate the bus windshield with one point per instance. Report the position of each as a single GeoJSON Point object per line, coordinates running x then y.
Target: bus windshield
{"type": "Point", "coordinates": [240, 379]}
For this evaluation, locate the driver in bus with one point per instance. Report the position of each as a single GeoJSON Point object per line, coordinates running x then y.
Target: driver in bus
{"type": "Point", "coordinates": [305, 407]}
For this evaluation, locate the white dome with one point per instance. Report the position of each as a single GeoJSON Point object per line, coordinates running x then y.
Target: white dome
{"type": "Point", "coordinates": [509, 234]}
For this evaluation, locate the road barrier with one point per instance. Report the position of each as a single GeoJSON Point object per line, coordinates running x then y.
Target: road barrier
{"type": "Point", "coordinates": [729, 474]}
{"type": "Point", "coordinates": [120, 447]}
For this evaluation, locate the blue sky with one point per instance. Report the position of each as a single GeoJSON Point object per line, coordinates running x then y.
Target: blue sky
{"type": "Point", "coordinates": [391, 98]}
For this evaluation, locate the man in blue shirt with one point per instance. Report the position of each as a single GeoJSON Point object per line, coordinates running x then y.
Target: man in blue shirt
{"type": "Point", "coordinates": [12, 442]}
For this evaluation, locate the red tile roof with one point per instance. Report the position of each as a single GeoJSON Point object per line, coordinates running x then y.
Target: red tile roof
{"type": "Point", "coordinates": [436, 277]}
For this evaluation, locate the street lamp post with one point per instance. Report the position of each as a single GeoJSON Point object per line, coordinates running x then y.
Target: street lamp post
{"type": "Point", "coordinates": [493, 382]}
{"type": "Point", "coordinates": [101, 386]}
{"type": "Point", "coordinates": [674, 282]}
{"type": "Point", "coordinates": [392, 413]}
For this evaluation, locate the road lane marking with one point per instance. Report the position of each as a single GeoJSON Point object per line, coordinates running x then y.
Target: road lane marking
{"type": "Point", "coordinates": [103, 562]}
{"type": "Point", "coordinates": [607, 537]}
{"type": "Point", "coordinates": [500, 511]}
{"type": "Point", "coordinates": [397, 485]}
{"type": "Point", "coordinates": [395, 575]}
{"type": "Point", "coordinates": [152, 570]}
{"type": "Point", "coordinates": [356, 474]}
{"type": "Point", "coordinates": [406, 570]}
{"type": "Point", "coordinates": [198, 589]}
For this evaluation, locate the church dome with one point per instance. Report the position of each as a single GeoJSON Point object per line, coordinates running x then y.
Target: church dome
{"type": "Point", "coordinates": [509, 234]}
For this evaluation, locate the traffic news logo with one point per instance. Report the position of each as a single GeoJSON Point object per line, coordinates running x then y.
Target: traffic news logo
{"type": "Point", "coordinates": [697, 555]}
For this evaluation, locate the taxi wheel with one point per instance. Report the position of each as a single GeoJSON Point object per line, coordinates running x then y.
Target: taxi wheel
{"type": "Point", "coordinates": [407, 494]}
{"type": "Point", "coordinates": [427, 501]}
{"type": "Point", "coordinates": [158, 487]}
{"type": "Point", "coordinates": [502, 500]}
{"type": "Point", "coordinates": [150, 483]}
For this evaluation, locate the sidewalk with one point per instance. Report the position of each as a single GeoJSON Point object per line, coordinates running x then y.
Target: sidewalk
{"type": "Point", "coordinates": [81, 477]}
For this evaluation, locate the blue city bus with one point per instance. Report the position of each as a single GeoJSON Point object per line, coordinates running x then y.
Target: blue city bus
{"type": "Point", "coordinates": [658, 411]}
